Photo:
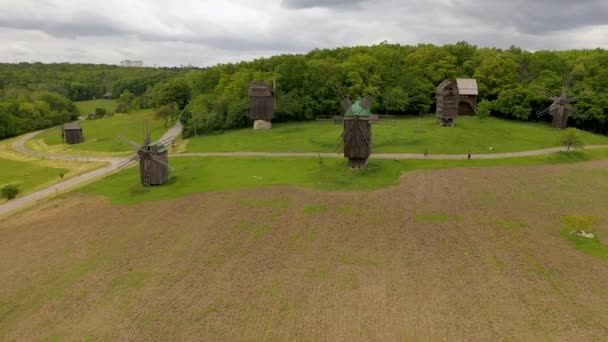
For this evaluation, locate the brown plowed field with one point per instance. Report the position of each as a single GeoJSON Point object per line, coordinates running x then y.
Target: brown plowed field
{"type": "Point", "coordinates": [466, 254]}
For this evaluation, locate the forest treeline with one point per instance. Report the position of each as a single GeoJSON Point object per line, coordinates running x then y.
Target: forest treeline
{"type": "Point", "coordinates": [35, 96]}
{"type": "Point", "coordinates": [399, 79]}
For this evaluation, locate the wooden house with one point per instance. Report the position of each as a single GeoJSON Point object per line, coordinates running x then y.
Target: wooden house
{"type": "Point", "coordinates": [454, 98]}
{"type": "Point", "coordinates": [262, 105]}
{"type": "Point", "coordinates": [357, 136]}
{"type": "Point", "coordinates": [72, 133]}
{"type": "Point", "coordinates": [151, 171]}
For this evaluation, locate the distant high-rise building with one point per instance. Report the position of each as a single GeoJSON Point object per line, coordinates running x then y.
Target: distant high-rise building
{"type": "Point", "coordinates": [129, 63]}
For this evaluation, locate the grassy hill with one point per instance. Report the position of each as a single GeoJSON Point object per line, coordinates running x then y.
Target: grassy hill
{"type": "Point", "coordinates": [101, 135]}
{"type": "Point", "coordinates": [86, 107]}
{"type": "Point", "coordinates": [469, 134]}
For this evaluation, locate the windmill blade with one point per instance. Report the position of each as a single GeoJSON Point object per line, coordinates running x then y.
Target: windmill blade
{"type": "Point", "coordinates": [340, 91]}
{"type": "Point", "coordinates": [365, 103]}
{"type": "Point", "coordinates": [167, 140]}
{"type": "Point", "coordinates": [568, 82]}
{"type": "Point", "coordinates": [129, 142]}
{"type": "Point", "coordinates": [148, 138]}
{"type": "Point", "coordinates": [577, 115]}
{"type": "Point", "coordinates": [340, 142]}
{"type": "Point", "coordinates": [161, 162]}
{"type": "Point", "coordinates": [548, 94]}
{"type": "Point", "coordinates": [577, 97]}
{"type": "Point", "coordinates": [346, 103]}
{"type": "Point", "coordinates": [364, 137]}
{"type": "Point", "coordinates": [128, 161]}
{"type": "Point", "coordinates": [543, 112]}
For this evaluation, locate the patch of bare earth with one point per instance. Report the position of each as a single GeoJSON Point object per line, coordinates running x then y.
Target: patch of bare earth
{"type": "Point", "coordinates": [460, 254]}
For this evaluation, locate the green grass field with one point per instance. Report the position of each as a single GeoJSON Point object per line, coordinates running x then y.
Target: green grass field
{"type": "Point", "coordinates": [27, 176]}
{"type": "Point", "coordinates": [86, 107]}
{"type": "Point", "coordinates": [469, 133]}
{"type": "Point", "coordinates": [101, 135]}
{"type": "Point", "coordinates": [194, 174]}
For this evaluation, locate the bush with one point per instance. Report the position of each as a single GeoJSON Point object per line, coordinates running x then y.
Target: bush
{"type": "Point", "coordinates": [100, 112]}
{"type": "Point", "coordinates": [483, 109]}
{"type": "Point", "coordinates": [10, 191]}
{"type": "Point", "coordinates": [571, 139]}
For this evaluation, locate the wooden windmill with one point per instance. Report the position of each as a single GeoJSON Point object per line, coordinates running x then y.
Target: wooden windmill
{"type": "Point", "coordinates": [454, 98]}
{"type": "Point", "coordinates": [561, 108]}
{"type": "Point", "coordinates": [262, 104]}
{"type": "Point", "coordinates": [356, 136]}
{"type": "Point", "coordinates": [153, 159]}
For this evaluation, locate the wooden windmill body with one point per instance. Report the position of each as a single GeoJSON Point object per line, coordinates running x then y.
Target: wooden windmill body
{"type": "Point", "coordinates": [153, 160]}
{"type": "Point", "coordinates": [357, 134]}
{"type": "Point", "coordinates": [261, 105]}
{"type": "Point", "coordinates": [356, 137]}
{"type": "Point", "coordinates": [72, 133]}
{"type": "Point", "coordinates": [455, 98]}
{"type": "Point", "coordinates": [561, 109]}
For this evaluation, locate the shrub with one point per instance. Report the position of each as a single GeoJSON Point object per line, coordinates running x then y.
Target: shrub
{"type": "Point", "coordinates": [10, 191]}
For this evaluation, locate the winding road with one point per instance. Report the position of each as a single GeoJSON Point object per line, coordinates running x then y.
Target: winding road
{"type": "Point", "coordinates": [173, 132]}
{"type": "Point", "coordinates": [115, 164]}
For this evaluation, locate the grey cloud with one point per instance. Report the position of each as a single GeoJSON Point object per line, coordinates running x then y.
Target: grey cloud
{"type": "Point", "coordinates": [85, 25]}
{"type": "Point", "coordinates": [535, 17]}
{"type": "Point", "coordinates": [304, 4]}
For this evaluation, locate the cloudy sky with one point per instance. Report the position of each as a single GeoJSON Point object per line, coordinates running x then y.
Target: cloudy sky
{"type": "Point", "coordinates": [204, 32]}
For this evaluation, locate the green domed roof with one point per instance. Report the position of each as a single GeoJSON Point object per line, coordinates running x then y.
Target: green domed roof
{"type": "Point", "coordinates": [357, 110]}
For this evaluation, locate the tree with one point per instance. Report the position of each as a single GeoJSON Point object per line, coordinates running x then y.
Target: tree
{"type": "Point", "coordinates": [10, 191]}
{"type": "Point", "coordinates": [167, 112]}
{"type": "Point", "coordinates": [125, 101]}
{"type": "Point", "coordinates": [395, 100]}
{"type": "Point", "coordinates": [483, 109]}
{"type": "Point", "coordinates": [571, 139]}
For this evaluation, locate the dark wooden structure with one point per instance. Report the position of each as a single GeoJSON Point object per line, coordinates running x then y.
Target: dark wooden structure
{"type": "Point", "coordinates": [357, 141]}
{"type": "Point", "coordinates": [72, 133]}
{"type": "Point", "coordinates": [153, 164]}
{"type": "Point", "coordinates": [561, 109]}
{"type": "Point", "coordinates": [261, 105]}
{"type": "Point", "coordinates": [454, 98]}
{"type": "Point", "coordinates": [357, 134]}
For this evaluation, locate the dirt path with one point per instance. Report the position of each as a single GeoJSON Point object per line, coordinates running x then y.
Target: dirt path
{"type": "Point", "coordinates": [174, 131]}
{"type": "Point", "coordinates": [115, 164]}
{"type": "Point", "coordinates": [384, 155]}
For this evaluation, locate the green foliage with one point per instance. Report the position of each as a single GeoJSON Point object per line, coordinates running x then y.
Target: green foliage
{"type": "Point", "coordinates": [484, 108]}
{"type": "Point", "coordinates": [10, 191]}
{"type": "Point", "coordinates": [28, 111]}
{"type": "Point", "coordinates": [177, 91]}
{"type": "Point", "coordinates": [97, 114]}
{"type": "Point", "coordinates": [395, 100]}
{"type": "Point", "coordinates": [399, 79]}
{"type": "Point", "coordinates": [125, 102]}
{"type": "Point", "coordinates": [167, 112]}
{"type": "Point", "coordinates": [571, 139]}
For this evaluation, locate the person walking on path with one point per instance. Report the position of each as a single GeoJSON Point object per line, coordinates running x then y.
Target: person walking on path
{"type": "Point", "coordinates": [469, 155]}
{"type": "Point", "coordinates": [426, 152]}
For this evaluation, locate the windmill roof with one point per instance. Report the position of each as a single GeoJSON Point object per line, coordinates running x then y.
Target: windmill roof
{"type": "Point", "coordinates": [158, 147]}
{"type": "Point", "coordinates": [357, 110]}
{"type": "Point", "coordinates": [467, 86]}
{"type": "Point", "coordinates": [71, 126]}
{"type": "Point", "coordinates": [259, 89]}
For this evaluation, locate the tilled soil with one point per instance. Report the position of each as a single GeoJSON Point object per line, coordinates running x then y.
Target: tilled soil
{"type": "Point", "coordinates": [465, 254]}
